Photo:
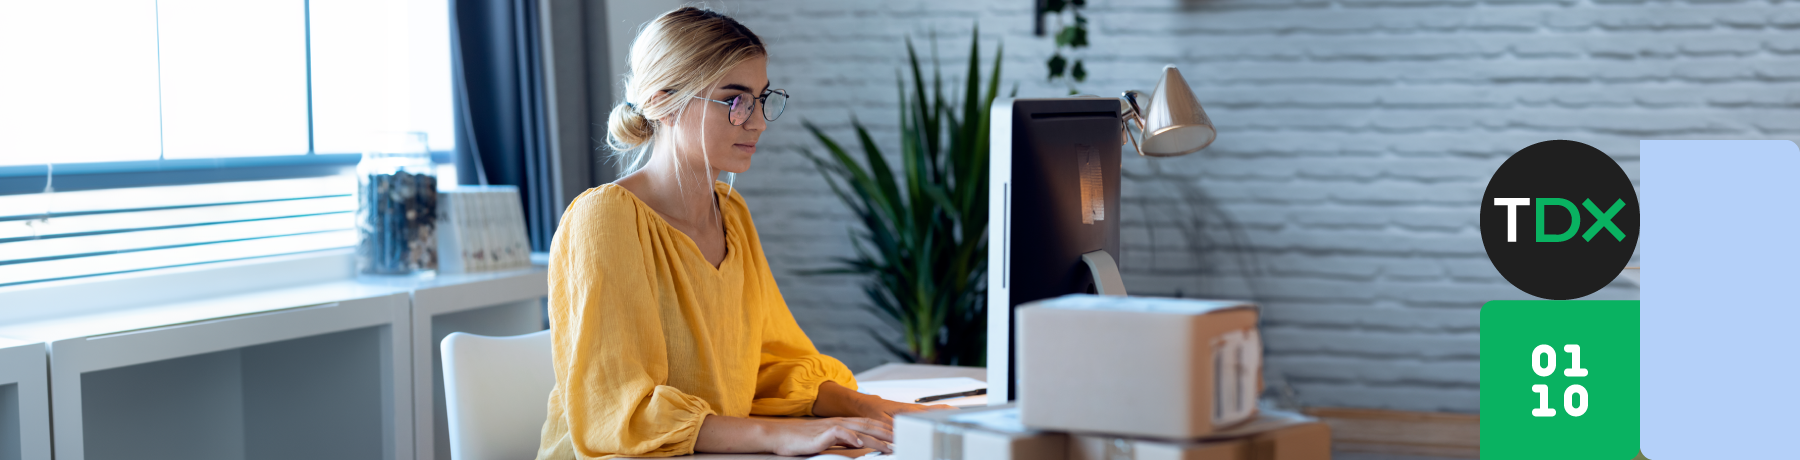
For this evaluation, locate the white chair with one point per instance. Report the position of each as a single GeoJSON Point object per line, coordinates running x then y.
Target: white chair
{"type": "Point", "coordinates": [496, 389]}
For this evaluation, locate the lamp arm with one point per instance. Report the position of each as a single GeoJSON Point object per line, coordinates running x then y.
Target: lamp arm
{"type": "Point", "coordinates": [1134, 142]}
{"type": "Point", "coordinates": [1131, 111]}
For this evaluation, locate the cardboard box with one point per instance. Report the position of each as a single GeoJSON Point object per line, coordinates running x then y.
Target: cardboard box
{"type": "Point", "coordinates": [1306, 441]}
{"type": "Point", "coordinates": [1138, 366]}
{"type": "Point", "coordinates": [973, 434]}
{"type": "Point", "coordinates": [1282, 437]}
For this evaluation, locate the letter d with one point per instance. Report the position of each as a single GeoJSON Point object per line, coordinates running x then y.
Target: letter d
{"type": "Point", "coordinates": [1574, 220]}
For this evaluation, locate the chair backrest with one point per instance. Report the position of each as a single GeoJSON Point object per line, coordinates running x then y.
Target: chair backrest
{"type": "Point", "coordinates": [496, 389]}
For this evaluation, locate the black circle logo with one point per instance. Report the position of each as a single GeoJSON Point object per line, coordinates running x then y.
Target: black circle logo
{"type": "Point", "coordinates": [1559, 220]}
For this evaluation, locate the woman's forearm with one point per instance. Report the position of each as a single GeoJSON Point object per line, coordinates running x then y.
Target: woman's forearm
{"type": "Point", "coordinates": [837, 401]}
{"type": "Point", "coordinates": [840, 401]}
{"type": "Point", "coordinates": [732, 435]}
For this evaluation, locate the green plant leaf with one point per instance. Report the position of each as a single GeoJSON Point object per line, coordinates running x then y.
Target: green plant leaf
{"type": "Point", "coordinates": [972, 106]}
{"type": "Point", "coordinates": [1079, 72]}
{"type": "Point", "coordinates": [1066, 36]}
{"type": "Point", "coordinates": [853, 174]}
{"type": "Point", "coordinates": [1057, 63]}
{"type": "Point", "coordinates": [884, 175]}
{"type": "Point", "coordinates": [938, 110]}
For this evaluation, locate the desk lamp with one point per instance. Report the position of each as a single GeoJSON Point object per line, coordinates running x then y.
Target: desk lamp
{"type": "Point", "coordinates": [1054, 177]}
{"type": "Point", "coordinates": [1174, 124]}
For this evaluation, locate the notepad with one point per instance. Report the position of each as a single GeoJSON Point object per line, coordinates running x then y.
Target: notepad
{"type": "Point", "coordinates": [840, 457]}
{"type": "Point", "coordinates": [907, 391]}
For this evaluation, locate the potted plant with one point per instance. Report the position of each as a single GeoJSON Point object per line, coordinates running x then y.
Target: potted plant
{"type": "Point", "coordinates": [921, 237]}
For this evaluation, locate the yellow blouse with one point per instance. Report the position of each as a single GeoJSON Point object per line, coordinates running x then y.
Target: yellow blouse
{"type": "Point", "coordinates": [650, 338]}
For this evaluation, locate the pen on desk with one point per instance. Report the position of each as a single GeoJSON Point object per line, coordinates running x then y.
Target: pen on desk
{"type": "Point", "coordinates": [958, 394]}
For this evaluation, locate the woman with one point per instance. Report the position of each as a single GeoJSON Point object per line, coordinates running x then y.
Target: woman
{"type": "Point", "coordinates": [669, 330]}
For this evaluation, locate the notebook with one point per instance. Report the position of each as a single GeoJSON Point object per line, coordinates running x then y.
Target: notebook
{"type": "Point", "coordinates": [907, 391]}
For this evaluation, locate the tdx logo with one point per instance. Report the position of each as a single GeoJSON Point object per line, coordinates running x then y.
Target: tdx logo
{"type": "Point", "coordinates": [1561, 192]}
{"type": "Point", "coordinates": [1602, 219]}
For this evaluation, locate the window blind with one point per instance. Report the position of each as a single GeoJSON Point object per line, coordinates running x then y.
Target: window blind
{"type": "Point", "coordinates": [65, 235]}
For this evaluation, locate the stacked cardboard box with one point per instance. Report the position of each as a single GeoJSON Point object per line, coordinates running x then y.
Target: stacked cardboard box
{"type": "Point", "coordinates": [1272, 435]}
{"type": "Point", "coordinates": [980, 433]}
{"type": "Point", "coordinates": [1126, 378]}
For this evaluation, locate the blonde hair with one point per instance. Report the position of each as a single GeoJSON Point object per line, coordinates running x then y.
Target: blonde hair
{"type": "Point", "coordinates": [681, 53]}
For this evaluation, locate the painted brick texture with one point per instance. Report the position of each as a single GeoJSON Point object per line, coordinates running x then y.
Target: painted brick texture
{"type": "Point", "coordinates": [1356, 137]}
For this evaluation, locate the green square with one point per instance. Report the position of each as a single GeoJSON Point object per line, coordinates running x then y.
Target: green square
{"type": "Point", "coordinates": [1607, 333]}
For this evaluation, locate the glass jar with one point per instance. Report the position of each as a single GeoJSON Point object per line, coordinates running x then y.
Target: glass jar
{"type": "Point", "coordinates": [396, 212]}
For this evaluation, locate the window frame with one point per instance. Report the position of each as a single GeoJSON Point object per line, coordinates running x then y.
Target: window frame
{"type": "Point", "coordinates": [71, 177]}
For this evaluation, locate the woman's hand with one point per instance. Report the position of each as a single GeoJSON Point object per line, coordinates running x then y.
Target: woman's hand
{"type": "Point", "coordinates": [814, 436]}
{"type": "Point", "coordinates": [837, 401]}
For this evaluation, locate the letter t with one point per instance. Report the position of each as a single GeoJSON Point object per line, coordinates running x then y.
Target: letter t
{"type": "Point", "coordinates": [1512, 215]}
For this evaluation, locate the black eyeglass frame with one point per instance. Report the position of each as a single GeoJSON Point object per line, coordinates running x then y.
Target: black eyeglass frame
{"type": "Point", "coordinates": [762, 101]}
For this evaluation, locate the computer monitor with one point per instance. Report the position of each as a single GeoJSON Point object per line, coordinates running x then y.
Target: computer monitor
{"type": "Point", "coordinates": [1053, 206]}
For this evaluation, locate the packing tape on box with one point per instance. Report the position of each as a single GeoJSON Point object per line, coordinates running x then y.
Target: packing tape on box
{"type": "Point", "coordinates": [1118, 449]}
{"type": "Point", "coordinates": [948, 444]}
{"type": "Point", "coordinates": [1237, 370]}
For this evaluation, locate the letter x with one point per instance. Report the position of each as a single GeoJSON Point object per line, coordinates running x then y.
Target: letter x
{"type": "Point", "coordinates": [1603, 220]}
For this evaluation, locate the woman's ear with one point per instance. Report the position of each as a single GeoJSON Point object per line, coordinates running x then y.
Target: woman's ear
{"type": "Point", "coordinates": [668, 121]}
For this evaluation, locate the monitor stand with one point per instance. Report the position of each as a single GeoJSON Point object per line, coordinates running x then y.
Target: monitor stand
{"type": "Point", "coordinates": [1105, 272]}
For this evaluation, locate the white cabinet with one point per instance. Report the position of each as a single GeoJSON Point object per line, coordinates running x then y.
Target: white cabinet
{"type": "Point", "coordinates": [327, 380]}
{"type": "Point", "coordinates": [24, 402]}
{"type": "Point", "coordinates": [494, 304]}
{"type": "Point", "coordinates": [338, 366]}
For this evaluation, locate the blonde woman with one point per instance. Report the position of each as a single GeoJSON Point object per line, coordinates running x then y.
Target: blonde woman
{"type": "Point", "coordinates": [669, 330]}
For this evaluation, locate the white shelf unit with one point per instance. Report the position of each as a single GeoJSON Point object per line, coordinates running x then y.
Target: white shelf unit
{"type": "Point", "coordinates": [319, 371]}
{"type": "Point", "coordinates": [295, 357]}
{"type": "Point", "coordinates": [495, 304]}
{"type": "Point", "coordinates": [24, 402]}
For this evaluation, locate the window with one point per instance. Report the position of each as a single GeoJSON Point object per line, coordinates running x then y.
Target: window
{"type": "Point", "coordinates": [254, 110]}
{"type": "Point", "coordinates": [116, 80]}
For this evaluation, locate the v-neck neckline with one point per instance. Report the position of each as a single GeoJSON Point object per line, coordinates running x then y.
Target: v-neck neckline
{"type": "Point", "coordinates": [730, 252]}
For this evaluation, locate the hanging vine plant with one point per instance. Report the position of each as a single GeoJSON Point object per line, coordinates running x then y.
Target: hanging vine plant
{"type": "Point", "coordinates": [1071, 35]}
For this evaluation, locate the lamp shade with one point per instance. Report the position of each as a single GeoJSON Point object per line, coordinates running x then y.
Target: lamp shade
{"type": "Point", "coordinates": [1174, 124]}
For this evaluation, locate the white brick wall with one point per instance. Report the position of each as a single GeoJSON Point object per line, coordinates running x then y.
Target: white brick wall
{"type": "Point", "coordinates": [1356, 137]}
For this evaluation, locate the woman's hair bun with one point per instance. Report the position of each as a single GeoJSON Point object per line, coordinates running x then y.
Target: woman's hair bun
{"type": "Point", "coordinates": [627, 128]}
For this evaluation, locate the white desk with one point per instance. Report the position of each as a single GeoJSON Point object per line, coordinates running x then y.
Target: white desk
{"type": "Point", "coordinates": [24, 402]}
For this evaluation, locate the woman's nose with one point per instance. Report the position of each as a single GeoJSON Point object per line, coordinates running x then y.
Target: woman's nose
{"type": "Point", "coordinates": [756, 122]}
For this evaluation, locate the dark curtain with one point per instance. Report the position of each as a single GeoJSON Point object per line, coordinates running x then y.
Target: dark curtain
{"type": "Point", "coordinates": [501, 130]}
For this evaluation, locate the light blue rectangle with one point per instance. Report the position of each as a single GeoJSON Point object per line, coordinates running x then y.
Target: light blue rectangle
{"type": "Point", "coordinates": [1720, 313]}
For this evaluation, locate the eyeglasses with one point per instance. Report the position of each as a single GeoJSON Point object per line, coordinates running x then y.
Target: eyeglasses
{"type": "Point", "coordinates": [773, 102]}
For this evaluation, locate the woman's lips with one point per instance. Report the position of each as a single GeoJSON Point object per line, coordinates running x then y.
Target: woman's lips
{"type": "Point", "coordinates": [747, 148]}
